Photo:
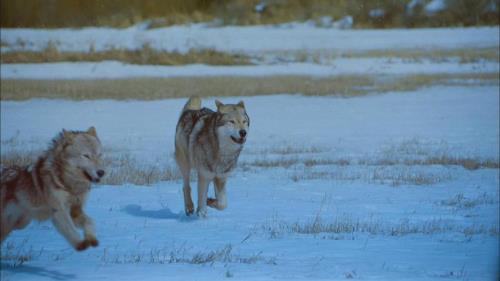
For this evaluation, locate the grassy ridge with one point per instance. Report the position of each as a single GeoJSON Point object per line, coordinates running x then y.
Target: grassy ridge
{"type": "Point", "coordinates": [163, 88]}
{"type": "Point", "coordinates": [150, 56]}
{"type": "Point", "coordinates": [122, 13]}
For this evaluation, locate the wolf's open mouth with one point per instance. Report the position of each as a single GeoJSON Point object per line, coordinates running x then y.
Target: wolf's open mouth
{"type": "Point", "coordinates": [238, 141]}
{"type": "Point", "coordinates": [90, 178]}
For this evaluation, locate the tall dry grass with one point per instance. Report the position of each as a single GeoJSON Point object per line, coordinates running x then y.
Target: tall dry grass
{"type": "Point", "coordinates": [178, 87]}
{"type": "Point", "coordinates": [145, 55]}
{"type": "Point", "coordinates": [122, 13]}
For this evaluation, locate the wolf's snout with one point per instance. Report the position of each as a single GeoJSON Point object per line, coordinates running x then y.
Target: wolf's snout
{"type": "Point", "coordinates": [101, 173]}
{"type": "Point", "coordinates": [243, 133]}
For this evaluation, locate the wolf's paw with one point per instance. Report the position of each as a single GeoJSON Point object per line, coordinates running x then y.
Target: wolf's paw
{"type": "Point", "coordinates": [212, 202]}
{"type": "Point", "coordinates": [93, 241]}
{"type": "Point", "coordinates": [189, 210]}
{"type": "Point", "coordinates": [83, 245]}
{"type": "Point", "coordinates": [202, 213]}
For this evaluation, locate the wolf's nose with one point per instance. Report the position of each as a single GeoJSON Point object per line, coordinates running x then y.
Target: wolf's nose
{"type": "Point", "coordinates": [100, 173]}
{"type": "Point", "coordinates": [243, 133]}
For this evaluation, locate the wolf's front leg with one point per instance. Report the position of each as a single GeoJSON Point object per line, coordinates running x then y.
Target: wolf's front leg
{"type": "Point", "coordinates": [202, 195]}
{"type": "Point", "coordinates": [86, 223]}
{"type": "Point", "coordinates": [62, 221]}
{"type": "Point", "coordinates": [220, 201]}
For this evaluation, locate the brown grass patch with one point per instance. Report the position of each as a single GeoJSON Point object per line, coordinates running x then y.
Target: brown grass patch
{"type": "Point", "coordinates": [465, 55]}
{"type": "Point", "coordinates": [145, 55]}
{"type": "Point", "coordinates": [163, 88]}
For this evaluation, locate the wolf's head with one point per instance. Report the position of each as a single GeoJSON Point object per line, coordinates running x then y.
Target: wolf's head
{"type": "Point", "coordinates": [79, 154]}
{"type": "Point", "coordinates": [234, 123]}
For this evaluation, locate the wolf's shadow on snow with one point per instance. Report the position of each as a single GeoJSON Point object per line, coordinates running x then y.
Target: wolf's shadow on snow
{"type": "Point", "coordinates": [162, 214]}
{"type": "Point", "coordinates": [37, 271]}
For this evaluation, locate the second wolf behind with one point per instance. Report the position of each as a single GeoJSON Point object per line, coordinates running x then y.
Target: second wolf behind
{"type": "Point", "coordinates": [209, 142]}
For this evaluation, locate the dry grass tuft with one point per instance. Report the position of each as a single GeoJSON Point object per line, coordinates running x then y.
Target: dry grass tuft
{"type": "Point", "coordinates": [181, 256]}
{"type": "Point", "coordinates": [126, 169]}
{"type": "Point", "coordinates": [145, 55]}
{"type": "Point", "coordinates": [347, 225]}
{"type": "Point", "coordinates": [467, 163]}
{"type": "Point", "coordinates": [273, 163]}
{"type": "Point", "coordinates": [462, 202]}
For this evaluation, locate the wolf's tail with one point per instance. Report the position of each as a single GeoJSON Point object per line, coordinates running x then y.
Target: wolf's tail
{"type": "Point", "coordinates": [194, 103]}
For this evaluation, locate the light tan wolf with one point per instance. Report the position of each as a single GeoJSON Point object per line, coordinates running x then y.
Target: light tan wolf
{"type": "Point", "coordinates": [209, 142]}
{"type": "Point", "coordinates": [55, 187]}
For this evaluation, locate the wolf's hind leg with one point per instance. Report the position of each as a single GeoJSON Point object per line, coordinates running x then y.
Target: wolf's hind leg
{"type": "Point", "coordinates": [220, 201]}
{"type": "Point", "coordinates": [80, 219]}
{"type": "Point", "coordinates": [12, 218]}
{"type": "Point", "coordinates": [64, 224]}
{"type": "Point", "coordinates": [188, 201]}
{"type": "Point", "coordinates": [183, 163]}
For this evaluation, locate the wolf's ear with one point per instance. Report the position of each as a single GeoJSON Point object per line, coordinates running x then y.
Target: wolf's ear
{"type": "Point", "coordinates": [218, 104]}
{"type": "Point", "coordinates": [241, 104]}
{"type": "Point", "coordinates": [91, 131]}
{"type": "Point", "coordinates": [67, 134]}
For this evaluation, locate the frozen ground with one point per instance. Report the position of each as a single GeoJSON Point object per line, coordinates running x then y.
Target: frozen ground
{"type": "Point", "coordinates": [327, 189]}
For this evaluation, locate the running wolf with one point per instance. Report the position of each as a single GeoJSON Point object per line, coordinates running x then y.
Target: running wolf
{"type": "Point", "coordinates": [209, 142]}
{"type": "Point", "coordinates": [55, 187]}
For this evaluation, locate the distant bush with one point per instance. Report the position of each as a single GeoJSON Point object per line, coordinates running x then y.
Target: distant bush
{"type": "Point", "coordinates": [123, 13]}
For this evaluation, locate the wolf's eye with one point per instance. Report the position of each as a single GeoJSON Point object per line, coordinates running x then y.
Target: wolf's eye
{"type": "Point", "coordinates": [232, 122]}
{"type": "Point", "coordinates": [86, 156]}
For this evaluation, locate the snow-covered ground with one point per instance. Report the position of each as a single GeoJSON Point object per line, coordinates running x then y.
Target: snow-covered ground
{"type": "Point", "coordinates": [340, 219]}
{"type": "Point", "coordinates": [119, 70]}
{"type": "Point", "coordinates": [248, 39]}
{"type": "Point", "coordinates": [264, 44]}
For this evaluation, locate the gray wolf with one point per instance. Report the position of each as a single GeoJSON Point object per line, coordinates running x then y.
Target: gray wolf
{"type": "Point", "coordinates": [209, 142]}
{"type": "Point", "coordinates": [55, 187]}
